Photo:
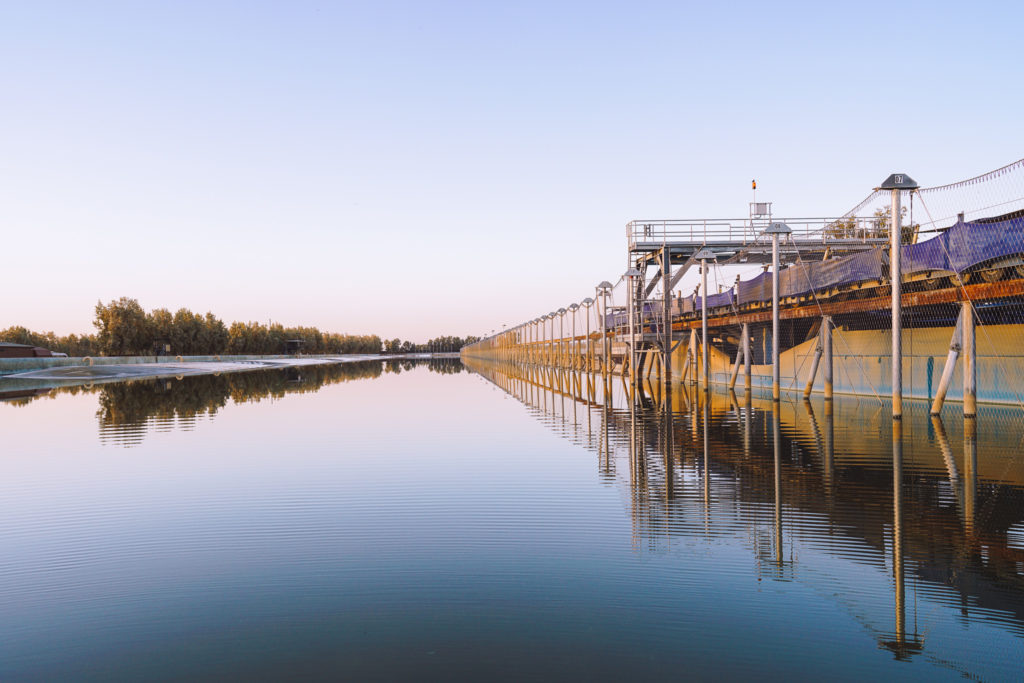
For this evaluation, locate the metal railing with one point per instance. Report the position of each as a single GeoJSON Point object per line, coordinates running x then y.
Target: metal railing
{"type": "Point", "coordinates": [653, 233]}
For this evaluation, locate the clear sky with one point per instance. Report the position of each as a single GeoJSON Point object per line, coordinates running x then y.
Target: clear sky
{"type": "Point", "coordinates": [422, 168]}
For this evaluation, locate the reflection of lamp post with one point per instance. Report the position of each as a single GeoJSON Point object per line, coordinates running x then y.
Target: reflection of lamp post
{"type": "Point", "coordinates": [604, 288]}
{"type": "Point", "coordinates": [587, 303]}
{"type": "Point", "coordinates": [631, 276]}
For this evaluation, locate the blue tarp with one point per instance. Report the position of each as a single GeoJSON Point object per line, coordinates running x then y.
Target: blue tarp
{"type": "Point", "coordinates": [755, 289]}
{"type": "Point", "coordinates": [805, 277]}
{"type": "Point", "coordinates": [714, 301]}
{"type": "Point", "coordinates": [965, 245]}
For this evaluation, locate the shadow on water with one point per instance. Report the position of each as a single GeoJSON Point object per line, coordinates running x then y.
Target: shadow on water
{"type": "Point", "coordinates": [936, 504]}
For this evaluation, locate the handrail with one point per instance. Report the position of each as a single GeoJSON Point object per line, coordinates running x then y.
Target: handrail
{"type": "Point", "coordinates": [746, 231]}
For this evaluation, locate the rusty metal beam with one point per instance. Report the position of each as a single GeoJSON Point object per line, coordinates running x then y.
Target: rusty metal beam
{"type": "Point", "coordinates": [985, 291]}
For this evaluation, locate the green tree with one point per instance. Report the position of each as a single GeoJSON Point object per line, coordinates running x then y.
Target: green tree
{"type": "Point", "coordinates": [122, 328]}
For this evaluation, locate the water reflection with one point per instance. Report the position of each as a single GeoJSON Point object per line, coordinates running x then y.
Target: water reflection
{"type": "Point", "coordinates": [128, 411]}
{"type": "Point", "coordinates": [816, 490]}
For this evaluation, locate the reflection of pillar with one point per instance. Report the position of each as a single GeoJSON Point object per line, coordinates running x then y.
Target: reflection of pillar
{"type": "Point", "coordinates": [693, 356]}
{"type": "Point", "coordinates": [693, 417]}
{"type": "Point", "coordinates": [576, 392]}
{"type": "Point", "coordinates": [947, 456]}
{"type": "Point", "coordinates": [707, 468]}
{"type": "Point", "coordinates": [748, 409]}
{"type": "Point", "coordinates": [897, 532]}
{"type": "Point", "coordinates": [632, 461]}
{"type": "Point", "coordinates": [828, 463]}
{"type": "Point", "coordinates": [606, 440]}
{"type": "Point", "coordinates": [814, 367]}
{"type": "Point", "coordinates": [777, 443]}
{"type": "Point", "coordinates": [667, 428]}
{"type": "Point", "coordinates": [970, 471]}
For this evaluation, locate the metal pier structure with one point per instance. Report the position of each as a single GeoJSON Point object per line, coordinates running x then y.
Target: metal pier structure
{"type": "Point", "coordinates": [661, 252]}
{"type": "Point", "coordinates": [826, 283]}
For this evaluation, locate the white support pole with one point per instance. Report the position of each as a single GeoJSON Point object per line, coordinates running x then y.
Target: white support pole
{"type": "Point", "coordinates": [814, 368]}
{"type": "Point", "coordinates": [573, 356]}
{"type": "Point", "coordinates": [561, 337]}
{"type": "Point", "coordinates": [826, 353]}
{"type": "Point", "coordinates": [703, 255]}
{"type": "Point", "coordinates": [551, 341]}
{"type": "Point", "coordinates": [666, 296]}
{"type": "Point", "coordinates": [602, 311]}
{"type": "Point", "coordinates": [747, 380]}
{"type": "Point", "coordinates": [896, 278]}
{"type": "Point", "coordinates": [775, 230]}
{"type": "Point", "coordinates": [970, 362]}
{"type": "Point", "coordinates": [947, 369]}
{"type": "Point", "coordinates": [776, 374]}
{"type": "Point", "coordinates": [630, 295]}
{"type": "Point", "coordinates": [704, 324]}
{"type": "Point", "coordinates": [736, 368]}
{"type": "Point", "coordinates": [590, 343]}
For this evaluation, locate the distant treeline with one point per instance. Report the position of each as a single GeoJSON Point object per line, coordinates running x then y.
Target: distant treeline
{"type": "Point", "coordinates": [437, 345]}
{"type": "Point", "coordinates": [124, 328]}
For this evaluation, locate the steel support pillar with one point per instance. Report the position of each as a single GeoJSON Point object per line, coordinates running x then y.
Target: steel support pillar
{"type": "Point", "coordinates": [747, 379]}
{"type": "Point", "coordinates": [826, 354]}
{"type": "Point", "coordinates": [947, 369]}
{"type": "Point", "coordinates": [896, 278]}
{"type": "Point", "coordinates": [970, 361]}
{"type": "Point", "coordinates": [666, 296]}
{"type": "Point", "coordinates": [776, 229]}
{"type": "Point", "coordinates": [736, 368]}
{"type": "Point", "coordinates": [814, 367]}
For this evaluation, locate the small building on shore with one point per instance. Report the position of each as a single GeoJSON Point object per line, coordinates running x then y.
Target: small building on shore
{"type": "Point", "coordinates": [11, 350]}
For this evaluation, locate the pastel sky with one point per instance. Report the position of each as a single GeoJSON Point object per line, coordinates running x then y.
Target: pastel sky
{"type": "Point", "coordinates": [421, 168]}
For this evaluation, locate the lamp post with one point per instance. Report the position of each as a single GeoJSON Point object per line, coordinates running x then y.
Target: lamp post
{"type": "Point", "coordinates": [532, 354]}
{"type": "Point", "coordinates": [541, 338]}
{"type": "Point", "coordinates": [587, 303]}
{"type": "Point", "coordinates": [897, 182]}
{"type": "Point", "coordinates": [561, 335]}
{"type": "Point", "coordinates": [551, 338]}
{"type": "Point", "coordinates": [604, 288]}
{"type": "Point", "coordinates": [538, 329]}
{"type": "Point", "coordinates": [776, 229]}
{"type": "Point", "coordinates": [573, 307]}
{"type": "Point", "coordinates": [631, 275]}
{"type": "Point", "coordinates": [703, 255]}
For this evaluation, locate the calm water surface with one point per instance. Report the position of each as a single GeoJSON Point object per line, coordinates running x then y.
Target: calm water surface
{"type": "Point", "coordinates": [409, 522]}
